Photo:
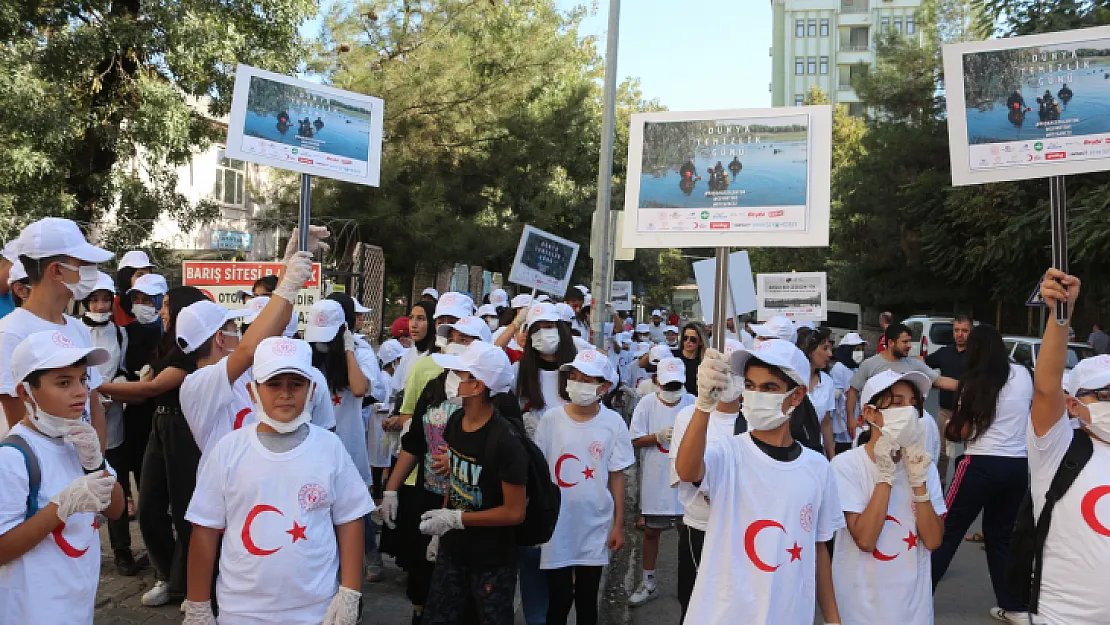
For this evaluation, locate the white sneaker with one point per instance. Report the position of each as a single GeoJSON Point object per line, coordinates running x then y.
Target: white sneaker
{"type": "Point", "coordinates": [159, 595]}
{"type": "Point", "coordinates": [1006, 616]}
{"type": "Point", "coordinates": [644, 594]}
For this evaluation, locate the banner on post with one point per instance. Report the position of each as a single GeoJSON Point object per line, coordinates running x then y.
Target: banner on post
{"type": "Point", "coordinates": [621, 296]}
{"type": "Point", "coordinates": [543, 262]}
{"type": "Point", "coordinates": [305, 127]}
{"type": "Point", "coordinates": [796, 296]}
{"type": "Point", "coordinates": [223, 281]}
{"type": "Point", "coordinates": [740, 285]}
{"type": "Point", "coordinates": [1028, 107]}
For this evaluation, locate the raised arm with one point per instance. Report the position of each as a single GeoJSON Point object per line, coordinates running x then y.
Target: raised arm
{"type": "Point", "coordinates": [1048, 377]}
{"type": "Point", "coordinates": [138, 392]}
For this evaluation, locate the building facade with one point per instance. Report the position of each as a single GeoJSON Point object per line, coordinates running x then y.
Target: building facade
{"type": "Point", "coordinates": [822, 42]}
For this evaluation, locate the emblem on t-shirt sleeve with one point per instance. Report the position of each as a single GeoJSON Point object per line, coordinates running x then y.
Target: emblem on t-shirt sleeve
{"type": "Point", "coordinates": [312, 497]}
{"type": "Point", "coordinates": [806, 517]}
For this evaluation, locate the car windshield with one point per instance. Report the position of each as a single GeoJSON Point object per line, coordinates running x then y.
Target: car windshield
{"type": "Point", "coordinates": [941, 333]}
{"type": "Point", "coordinates": [1075, 354]}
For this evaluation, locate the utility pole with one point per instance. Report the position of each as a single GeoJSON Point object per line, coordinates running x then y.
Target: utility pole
{"type": "Point", "coordinates": [599, 235]}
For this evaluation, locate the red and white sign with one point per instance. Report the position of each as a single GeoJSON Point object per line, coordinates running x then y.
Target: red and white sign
{"type": "Point", "coordinates": [221, 273]}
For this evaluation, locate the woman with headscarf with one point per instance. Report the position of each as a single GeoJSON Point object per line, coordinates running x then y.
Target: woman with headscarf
{"type": "Point", "coordinates": [132, 266]}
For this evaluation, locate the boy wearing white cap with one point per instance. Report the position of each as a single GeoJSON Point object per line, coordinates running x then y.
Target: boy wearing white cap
{"type": "Point", "coordinates": [587, 447]}
{"type": "Point", "coordinates": [53, 482]}
{"type": "Point", "coordinates": [651, 429]}
{"type": "Point", "coordinates": [773, 502]}
{"type": "Point", "coordinates": [893, 504]}
{"type": "Point", "coordinates": [284, 501]}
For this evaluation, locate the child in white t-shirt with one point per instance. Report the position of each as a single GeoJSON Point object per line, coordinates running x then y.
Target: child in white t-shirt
{"type": "Point", "coordinates": [584, 443]}
{"type": "Point", "coordinates": [49, 545]}
{"type": "Point", "coordinates": [652, 426]}
{"type": "Point", "coordinates": [287, 503]}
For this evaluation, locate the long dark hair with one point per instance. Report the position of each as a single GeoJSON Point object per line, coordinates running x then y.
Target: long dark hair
{"type": "Point", "coordinates": [843, 355]}
{"type": "Point", "coordinates": [347, 303]}
{"type": "Point", "coordinates": [123, 286]}
{"type": "Point", "coordinates": [986, 371]}
{"type": "Point", "coordinates": [528, 385]}
{"type": "Point", "coordinates": [168, 350]}
{"type": "Point", "coordinates": [703, 337]}
{"type": "Point", "coordinates": [428, 343]}
{"type": "Point", "coordinates": [333, 364]}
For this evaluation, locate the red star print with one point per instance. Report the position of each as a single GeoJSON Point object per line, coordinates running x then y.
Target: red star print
{"type": "Point", "coordinates": [911, 541]}
{"type": "Point", "coordinates": [297, 532]}
{"type": "Point", "coordinates": [795, 553]}
{"type": "Point", "coordinates": [336, 400]}
{"type": "Point", "coordinates": [95, 524]}
{"type": "Point", "coordinates": [589, 473]}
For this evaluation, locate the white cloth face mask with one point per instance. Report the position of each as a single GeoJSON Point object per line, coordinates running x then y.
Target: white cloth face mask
{"type": "Point", "coordinates": [546, 341]}
{"type": "Point", "coordinates": [582, 393]}
{"type": "Point", "coordinates": [901, 425]}
{"type": "Point", "coordinates": [284, 427]}
{"type": "Point", "coordinates": [764, 410]}
{"type": "Point", "coordinates": [144, 314]}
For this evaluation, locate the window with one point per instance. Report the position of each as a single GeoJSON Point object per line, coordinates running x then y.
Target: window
{"type": "Point", "coordinates": [799, 66]}
{"type": "Point", "coordinates": [884, 25]}
{"type": "Point", "coordinates": [824, 65]}
{"type": "Point", "coordinates": [230, 180]}
{"type": "Point", "coordinates": [811, 65]}
{"type": "Point", "coordinates": [910, 26]}
{"type": "Point", "coordinates": [855, 109]}
{"type": "Point", "coordinates": [824, 28]}
{"type": "Point", "coordinates": [812, 29]}
{"type": "Point", "coordinates": [799, 100]}
{"type": "Point", "coordinates": [1023, 355]}
{"type": "Point", "coordinates": [799, 28]}
{"type": "Point", "coordinates": [898, 25]}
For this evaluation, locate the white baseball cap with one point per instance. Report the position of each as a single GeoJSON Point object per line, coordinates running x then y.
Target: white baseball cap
{"type": "Point", "coordinates": [104, 282]}
{"type": "Point", "coordinates": [137, 259]}
{"type": "Point", "coordinates": [470, 326]}
{"type": "Point", "coordinates": [487, 310]}
{"type": "Point", "coordinates": [543, 311]}
{"type": "Point", "coordinates": [659, 353]}
{"type": "Point", "coordinates": [886, 379]}
{"type": "Point", "coordinates": [776, 352]}
{"type": "Point", "coordinates": [254, 308]}
{"type": "Point", "coordinates": [565, 312]}
{"type": "Point", "coordinates": [324, 320]}
{"type": "Point", "coordinates": [430, 291]}
{"type": "Point", "coordinates": [200, 321]}
{"type": "Point", "coordinates": [643, 328]}
{"type": "Point", "coordinates": [732, 345]}
{"type": "Point", "coordinates": [483, 361]}
{"type": "Point", "coordinates": [359, 308]}
{"type": "Point", "coordinates": [16, 272]}
{"type": "Point", "coordinates": [656, 313]}
{"type": "Point", "coordinates": [152, 284]}
{"type": "Point", "coordinates": [671, 370]}
{"type": "Point", "coordinates": [499, 298]}
{"type": "Point", "coordinates": [51, 350]}
{"type": "Point", "coordinates": [1089, 375]}
{"type": "Point", "coordinates": [277, 354]}
{"type": "Point", "coordinates": [543, 297]}
{"type": "Point", "coordinates": [776, 327]}
{"type": "Point", "coordinates": [453, 304]}
{"type": "Point", "coordinates": [670, 329]}
{"type": "Point", "coordinates": [390, 351]}
{"type": "Point", "coordinates": [523, 300]}
{"type": "Point", "coordinates": [53, 236]}
{"type": "Point", "coordinates": [11, 251]}
{"type": "Point", "coordinates": [590, 362]}
{"type": "Point", "coordinates": [853, 339]}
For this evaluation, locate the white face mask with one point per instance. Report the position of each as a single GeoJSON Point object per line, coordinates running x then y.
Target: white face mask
{"type": "Point", "coordinates": [546, 341]}
{"type": "Point", "coordinates": [100, 317]}
{"type": "Point", "coordinates": [764, 410]}
{"type": "Point", "coordinates": [1100, 419]}
{"type": "Point", "coordinates": [144, 314]}
{"type": "Point", "coordinates": [50, 425]}
{"type": "Point", "coordinates": [901, 425]}
{"type": "Point", "coordinates": [671, 397]}
{"type": "Point", "coordinates": [492, 323]}
{"type": "Point", "coordinates": [672, 342]}
{"type": "Point", "coordinates": [284, 427]}
{"type": "Point", "coordinates": [857, 357]}
{"type": "Point", "coordinates": [453, 349]}
{"type": "Point", "coordinates": [85, 284]}
{"type": "Point", "coordinates": [582, 393]}
{"type": "Point", "coordinates": [441, 342]}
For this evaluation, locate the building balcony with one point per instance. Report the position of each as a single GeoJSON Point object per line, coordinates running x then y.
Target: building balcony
{"type": "Point", "coordinates": [854, 6]}
{"type": "Point", "coordinates": [844, 88]}
{"type": "Point", "coordinates": [850, 55]}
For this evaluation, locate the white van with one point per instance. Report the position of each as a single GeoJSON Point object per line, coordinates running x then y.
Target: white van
{"type": "Point", "coordinates": [842, 318]}
{"type": "Point", "coordinates": [929, 334]}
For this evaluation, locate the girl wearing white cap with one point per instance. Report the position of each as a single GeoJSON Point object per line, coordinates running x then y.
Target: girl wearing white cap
{"type": "Point", "coordinates": [893, 505]}
{"type": "Point", "coordinates": [132, 266]}
{"type": "Point", "coordinates": [587, 447]}
{"type": "Point", "coordinates": [846, 359]}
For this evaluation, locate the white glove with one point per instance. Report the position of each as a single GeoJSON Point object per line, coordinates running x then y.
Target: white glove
{"type": "Point", "coordinates": [298, 270]}
{"type": "Point", "coordinates": [343, 609]}
{"type": "Point", "coordinates": [88, 493]}
{"type": "Point", "coordinates": [84, 439]}
{"type": "Point", "coordinates": [433, 549]}
{"type": "Point", "coordinates": [883, 449]}
{"type": "Point", "coordinates": [521, 317]}
{"type": "Point", "coordinates": [439, 522]}
{"type": "Point", "coordinates": [348, 340]}
{"type": "Point", "coordinates": [713, 377]}
{"type": "Point", "coordinates": [146, 374]}
{"type": "Point", "coordinates": [917, 461]}
{"type": "Point", "coordinates": [316, 234]}
{"type": "Point", "coordinates": [389, 508]}
{"type": "Point", "coordinates": [664, 435]}
{"type": "Point", "coordinates": [530, 425]}
{"type": "Point", "coordinates": [119, 379]}
{"type": "Point", "coordinates": [198, 613]}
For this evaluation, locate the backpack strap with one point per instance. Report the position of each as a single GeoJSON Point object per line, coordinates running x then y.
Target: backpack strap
{"type": "Point", "coordinates": [1075, 458]}
{"type": "Point", "coordinates": [34, 470]}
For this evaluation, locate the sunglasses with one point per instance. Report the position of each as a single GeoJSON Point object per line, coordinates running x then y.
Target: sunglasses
{"type": "Point", "coordinates": [690, 339]}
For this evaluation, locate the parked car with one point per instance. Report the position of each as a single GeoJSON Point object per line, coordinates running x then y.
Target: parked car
{"type": "Point", "coordinates": [929, 334]}
{"type": "Point", "coordinates": [1025, 349]}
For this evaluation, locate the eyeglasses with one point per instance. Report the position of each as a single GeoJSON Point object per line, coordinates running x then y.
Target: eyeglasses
{"type": "Point", "coordinates": [1102, 394]}
{"type": "Point", "coordinates": [690, 338]}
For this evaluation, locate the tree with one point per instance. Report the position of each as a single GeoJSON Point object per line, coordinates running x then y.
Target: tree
{"type": "Point", "coordinates": [100, 99]}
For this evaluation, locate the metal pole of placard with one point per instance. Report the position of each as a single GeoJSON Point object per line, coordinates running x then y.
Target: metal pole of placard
{"type": "Point", "coordinates": [306, 211]}
{"type": "Point", "coordinates": [720, 299]}
{"type": "Point", "coordinates": [1058, 199]}
{"type": "Point", "coordinates": [601, 225]}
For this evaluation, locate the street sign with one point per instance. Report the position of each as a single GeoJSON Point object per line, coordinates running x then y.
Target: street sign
{"type": "Point", "coordinates": [1035, 300]}
{"type": "Point", "coordinates": [621, 296]}
{"type": "Point", "coordinates": [222, 282]}
{"type": "Point", "coordinates": [797, 296]}
{"type": "Point", "coordinates": [543, 261]}
{"type": "Point", "coordinates": [230, 240]}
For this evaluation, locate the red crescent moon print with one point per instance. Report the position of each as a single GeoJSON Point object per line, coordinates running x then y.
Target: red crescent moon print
{"type": "Point", "coordinates": [662, 449]}
{"type": "Point", "coordinates": [749, 543]}
{"type": "Point", "coordinates": [248, 542]}
{"type": "Point", "coordinates": [239, 418]}
{"type": "Point", "coordinates": [1090, 500]}
{"type": "Point", "coordinates": [558, 470]}
{"type": "Point", "coordinates": [63, 544]}
{"type": "Point", "coordinates": [879, 555]}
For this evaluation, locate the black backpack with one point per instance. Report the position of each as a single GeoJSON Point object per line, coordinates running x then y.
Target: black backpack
{"type": "Point", "coordinates": [543, 496]}
{"type": "Point", "coordinates": [1023, 569]}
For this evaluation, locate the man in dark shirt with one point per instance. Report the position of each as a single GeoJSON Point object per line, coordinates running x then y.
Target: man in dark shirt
{"type": "Point", "coordinates": [1099, 340]}
{"type": "Point", "coordinates": [950, 360]}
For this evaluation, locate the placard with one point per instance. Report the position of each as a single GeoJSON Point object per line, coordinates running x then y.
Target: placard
{"type": "Point", "coordinates": [740, 283]}
{"type": "Point", "coordinates": [796, 296]}
{"type": "Point", "coordinates": [222, 282]}
{"type": "Point", "coordinates": [543, 262]}
{"type": "Point", "coordinates": [737, 178]}
{"type": "Point", "coordinates": [1029, 107]}
{"type": "Point", "coordinates": [621, 295]}
{"type": "Point", "coordinates": [304, 126]}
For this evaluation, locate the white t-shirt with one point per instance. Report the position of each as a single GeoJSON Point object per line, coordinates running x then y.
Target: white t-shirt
{"type": "Point", "coordinates": [646, 387]}
{"type": "Point", "coordinates": [581, 456]}
{"type": "Point", "coordinates": [758, 562]}
{"type": "Point", "coordinates": [401, 371]}
{"type": "Point", "coordinates": [695, 504]}
{"type": "Point", "coordinates": [322, 413]}
{"type": "Point", "coordinates": [1077, 549]}
{"type": "Point", "coordinates": [1006, 435]}
{"type": "Point", "coordinates": [549, 388]}
{"type": "Point", "coordinates": [842, 381]}
{"type": "Point", "coordinates": [54, 582]}
{"type": "Point", "coordinates": [19, 324]}
{"type": "Point", "coordinates": [280, 558]}
{"type": "Point", "coordinates": [115, 341]}
{"type": "Point", "coordinates": [932, 436]}
{"type": "Point", "coordinates": [214, 406]}
{"type": "Point", "coordinates": [349, 424]}
{"type": "Point", "coordinates": [893, 584]}
{"type": "Point", "coordinates": [657, 496]}
{"type": "Point", "coordinates": [823, 396]}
